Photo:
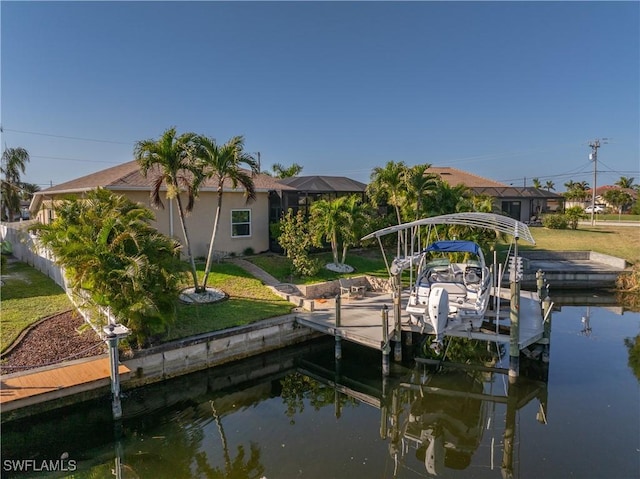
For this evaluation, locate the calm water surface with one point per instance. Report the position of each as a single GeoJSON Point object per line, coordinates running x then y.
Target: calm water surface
{"type": "Point", "coordinates": [292, 414]}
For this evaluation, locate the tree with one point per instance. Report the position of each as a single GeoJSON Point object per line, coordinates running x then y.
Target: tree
{"type": "Point", "coordinates": [280, 171]}
{"type": "Point", "coordinates": [295, 238]}
{"type": "Point", "coordinates": [618, 198]}
{"type": "Point", "coordinates": [224, 164]}
{"type": "Point", "coordinates": [388, 184]}
{"type": "Point", "coordinates": [624, 182]}
{"type": "Point", "coordinates": [353, 219]}
{"type": "Point", "coordinates": [577, 191]}
{"type": "Point", "coordinates": [109, 250]}
{"type": "Point", "coordinates": [337, 222]}
{"type": "Point", "coordinates": [171, 160]}
{"type": "Point", "coordinates": [549, 185]}
{"type": "Point", "coordinates": [536, 184]}
{"type": "Point", "coordinates": [419, 184]}
{"type": "Point", "coordinates": [447, 199]}
{"type": "Point", "coordinates": [14, 162]}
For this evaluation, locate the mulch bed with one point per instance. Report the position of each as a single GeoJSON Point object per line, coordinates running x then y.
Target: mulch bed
{"type": "Point", "coordinates": [52, 341]}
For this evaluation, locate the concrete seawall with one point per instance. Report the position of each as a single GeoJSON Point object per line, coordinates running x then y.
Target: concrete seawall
{"type": "Point", "coordinates": [204, 351]}
{"type": "Point", "coordinates": [572, 269]}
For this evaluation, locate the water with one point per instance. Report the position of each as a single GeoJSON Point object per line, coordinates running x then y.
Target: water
{"type": "Point", "coordinates": [280, 416]}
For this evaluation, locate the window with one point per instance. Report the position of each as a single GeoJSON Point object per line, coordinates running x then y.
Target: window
{"type": "Point", "coordinates": [240, 223]}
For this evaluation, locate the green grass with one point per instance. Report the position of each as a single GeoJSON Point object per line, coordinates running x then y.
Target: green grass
{"type": "Point", "coordinates": [363, 261]}
{"type": "Point", "coordinates": [27, 296]}
{"type": "Point", "coordinates": [618, 241]}
{"type": "Point", "coordinates": [249, 301]}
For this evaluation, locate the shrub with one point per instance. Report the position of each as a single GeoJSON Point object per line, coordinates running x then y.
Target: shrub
{"type": "Point", "coordinates": [296, 241]}
{"type": "Point", "coordinates": [555, 221]}
{"type": "Point", "coordinates": [248, 251]}
{"type": "Point", "coordinates": [573, 215]}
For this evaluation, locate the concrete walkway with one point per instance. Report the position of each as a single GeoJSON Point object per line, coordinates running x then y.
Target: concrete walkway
{"type": "Point", "coordinates": [259, 273]}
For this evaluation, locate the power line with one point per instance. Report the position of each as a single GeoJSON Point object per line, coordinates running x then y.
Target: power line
{"type": "Point", "coordinates": [76, 159]}
{"type": "Point", "coordinates": [67, 137]}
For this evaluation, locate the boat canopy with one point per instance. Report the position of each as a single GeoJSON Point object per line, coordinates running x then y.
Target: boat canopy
{"type": "Point", "coordinates": [454, 246]}
{"type": "Point", "coordinates": [490, 221]}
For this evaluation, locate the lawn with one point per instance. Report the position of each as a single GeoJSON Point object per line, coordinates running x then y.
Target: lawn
{"type": "Point", "coordinates": [363, 261]}
{"type": "Point", "coordinates": [27, 296]}
{"type": "Point", "coordinates": [249, 301]}
{"type": "Point", "coordinates": [618, 241]}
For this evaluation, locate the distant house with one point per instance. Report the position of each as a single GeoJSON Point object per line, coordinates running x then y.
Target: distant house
{"type": "Point", "coordinates": [243, 226]}
{"type": "Point", "coordinates": [600, 192]}
{"type": "Point", "coordinates": [307, 189]}
{"type": "Point", "coordinates": [521, 203]}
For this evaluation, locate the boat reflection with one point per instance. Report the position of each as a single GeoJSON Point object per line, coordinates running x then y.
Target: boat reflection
{"type": "Point", "coordinates": [442, 415]}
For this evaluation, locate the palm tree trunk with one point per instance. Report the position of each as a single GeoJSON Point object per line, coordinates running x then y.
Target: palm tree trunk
{"type": "Point", "coordinates": [207, 267]}
{"type": "Point", "coordinates": [187, 243]}
{"type": "Point", "coordinates": [334, 248]}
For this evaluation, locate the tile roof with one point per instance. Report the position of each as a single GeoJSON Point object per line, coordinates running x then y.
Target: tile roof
{"type": "Point", "coordinates": [128, 176]}
{"type": "Point", "coordinates": [456, 177]}
{"type": "Point", "coordinates": [324, 184]}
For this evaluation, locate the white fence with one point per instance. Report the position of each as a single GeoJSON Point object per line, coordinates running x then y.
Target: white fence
{"type": "Point", "coordinates": [25, 248]}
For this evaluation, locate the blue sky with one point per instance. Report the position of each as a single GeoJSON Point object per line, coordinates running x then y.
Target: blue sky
{"type": "Point", "coordinates": [506, 90]}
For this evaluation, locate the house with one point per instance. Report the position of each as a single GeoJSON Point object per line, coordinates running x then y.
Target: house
{"type": "Point", "coordinates": [307, 189]}
{"type": "Point", "coordinates": [602, 190]}
{"type": "Point", "coordinates": [243, 226]}
{"type": "Point", "coordinates": [521, 203]}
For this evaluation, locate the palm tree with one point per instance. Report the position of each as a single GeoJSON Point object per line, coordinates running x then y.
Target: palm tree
{"type": "Point", "coordinates": [549, 185]}
{"type": "Point", "coordinates": [624, 182]}
{"type": "Point", "coordinates": [388, 183]}
{"type": "Point", "coordinates": [576, 190]}
{"type": "Point", "coordinates": [536, 184]}
{"type": "Point", "coordinates": [223, 164]}
{"type": "Point", "coordinates": [14, 161]}
{"type": "Point", "coordinates": [280, 171]}
{"type": "Point", "coordinates": [447, 199]}
{"type": "Point", "coordinates": [419, 184]}
{"type": "Point", "coordinates": [330, 221]}
{"type": "Point", "coordinates": [110, 251]}
{"type": "Point", "coordinates": [171, 160]}
{"type": "Point", "coordinates": [352, 218]}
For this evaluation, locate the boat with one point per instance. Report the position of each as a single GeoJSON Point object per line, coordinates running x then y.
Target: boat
{"type": "Point", "coordinates": [451, 284]}
{"type": "Point", "coordinates": [452, 288]}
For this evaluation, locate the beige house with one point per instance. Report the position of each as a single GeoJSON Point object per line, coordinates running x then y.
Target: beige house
{"type": "Point", "coordinates": [243, 226]}
{"type": "Point", "coordinates": [523, 203]}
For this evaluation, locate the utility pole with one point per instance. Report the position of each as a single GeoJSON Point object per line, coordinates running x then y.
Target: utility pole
{"type": "Point", "coordinates": [594, 157]}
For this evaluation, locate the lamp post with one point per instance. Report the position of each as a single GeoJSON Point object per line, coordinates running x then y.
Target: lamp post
{"type": "Point", "coordinates": [113, 332]}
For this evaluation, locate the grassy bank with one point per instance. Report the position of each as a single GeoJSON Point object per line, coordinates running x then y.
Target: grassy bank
{"type": "Point", "coordinates": [27, 296]}
{"type": "Point", "coordinates": [619, 241]}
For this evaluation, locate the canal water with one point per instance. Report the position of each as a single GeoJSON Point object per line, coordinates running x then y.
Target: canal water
{"type": "Point", "coordinates": [296, 414]}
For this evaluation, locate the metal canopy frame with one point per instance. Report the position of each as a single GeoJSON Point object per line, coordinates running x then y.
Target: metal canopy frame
{"type": "Point", "coordinates": [491, 221]}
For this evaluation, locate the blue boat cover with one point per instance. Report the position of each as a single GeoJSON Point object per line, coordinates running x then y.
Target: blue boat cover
{"type": "Point", "coordinates": [454, 246]}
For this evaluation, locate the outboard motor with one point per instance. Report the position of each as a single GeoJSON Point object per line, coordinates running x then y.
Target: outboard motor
{"type": "Point", "coordinates": [438, 314]}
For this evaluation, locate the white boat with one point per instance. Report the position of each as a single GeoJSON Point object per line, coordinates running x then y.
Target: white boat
{"type": "Point", "coordinates": [452, 286]}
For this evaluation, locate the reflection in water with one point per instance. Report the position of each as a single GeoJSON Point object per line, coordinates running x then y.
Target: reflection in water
{"type": "Point", "coordinates": [442, 415]}
{"type": "Point", "coordinates": [299, 414]}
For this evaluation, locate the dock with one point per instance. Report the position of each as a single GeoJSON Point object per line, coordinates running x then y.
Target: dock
{"type": "Point", "coordinates": [44, 384]}
{"type": "Point", "coordinates": [361, 320]}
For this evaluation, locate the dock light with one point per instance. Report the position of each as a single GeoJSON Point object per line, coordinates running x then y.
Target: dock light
{"type": "Point", "coordinates": [113, 332]}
